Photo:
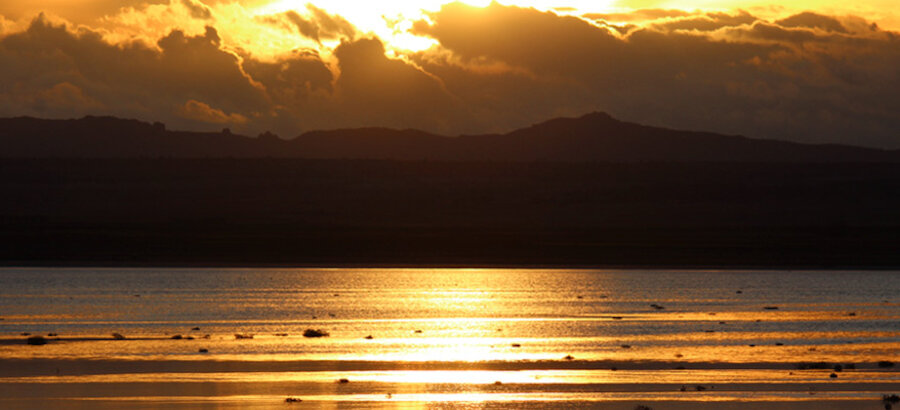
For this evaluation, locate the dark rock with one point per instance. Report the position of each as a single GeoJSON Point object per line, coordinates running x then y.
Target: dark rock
{"type": "Point", "coordinates": [202, 350]}
{"type": "Point", "coordinates": [36, 340]}
{"type": "Point", "coordinates": [292, 400]}
{"type": "Point", "coordinates": [315, 333]}
{"type": "Point", "coordinates": [118, 336]}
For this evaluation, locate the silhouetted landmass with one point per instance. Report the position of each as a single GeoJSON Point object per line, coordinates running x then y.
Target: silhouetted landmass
{"type": "Point", "coordinates": [595, 137]}
{"type": "Point", "coordinates": [590, 191]}
{"type": "Point", "coordinates": [241, 212]}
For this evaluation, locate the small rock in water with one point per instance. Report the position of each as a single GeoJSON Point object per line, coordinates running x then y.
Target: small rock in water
{"type": "Point", "coordinates": [202, 350]}
{"type": "Point", "coordinates": [833, 375]}
{"type": "Point", "coordinates": [417, 331]}
{"type": "Point", "coordinates": [626, 346]}
{"type": "Point", "coordinates": [195, 328]}
{"type": "Point", "coordinates": [516, 345]}
{"type": "Point", "coordinates": [700, 388]}
{"type": "Point", "coordinates": [315, 333]}
{"type": "Point", "coordinates": [739, 292]}
{"type": "Point", "coordinates": [292, 400]}
{"type": "Point", "coordinates": [657, 307]}
{"type": "Point", "coordinates": [36, 340]}
{"type": "Point", "coordinates": [26, 334]}
{"type": "Point", "coordinates": [343, 381]}
{"type": "Point", "coordinates": [770, 307]}
{"type": "Point", "coordinates": [177, 337]}
{"type": "Point", "coordinates": [369, 337]}
{"type": "Point", "coordinates": [498, 382]}
{"type": "Point", "coordinates": [569, 357]}
{"type": "Point", "coordinates": [118, 336]}
{"type": "Point", "coordinates": [683, 388]}
{"type": "Point", "coordinates": [52, 335]}
{"type": "Point", "coordinates": [242, 336]}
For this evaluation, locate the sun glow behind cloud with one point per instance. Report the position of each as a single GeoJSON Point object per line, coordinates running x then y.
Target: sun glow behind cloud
{"type": "Point", "coordinates": [767, 68]}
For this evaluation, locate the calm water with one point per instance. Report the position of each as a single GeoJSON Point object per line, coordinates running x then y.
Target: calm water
{"type": "Point", "coordinates": [448, 328]}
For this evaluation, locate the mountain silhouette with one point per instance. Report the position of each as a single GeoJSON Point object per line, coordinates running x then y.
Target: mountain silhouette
{"type": "Point", "coordinates": [595, 137]}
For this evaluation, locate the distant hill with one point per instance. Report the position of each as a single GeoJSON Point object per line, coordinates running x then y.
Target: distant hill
{"type": "Point", "coordinates": [595, 137]}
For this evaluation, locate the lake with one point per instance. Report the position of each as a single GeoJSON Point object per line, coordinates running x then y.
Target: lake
{"type": "Point", "coordinates": [413, 338]}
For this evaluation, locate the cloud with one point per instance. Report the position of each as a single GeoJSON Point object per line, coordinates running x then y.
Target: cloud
{"type": "Point", "coordinates": [198, 10]}
{"type": "Point", "coordinates": [199, 111]}
{"type": "Point", "coordinates": [806, 80]}
{"type": "Point", "coordinates": [129, 79]}
{"type": "Point", "coordinates": [381, 91]}
{"type": "Point", "coordinates": [318, 25]}
{"type": "Point", "coordinates": [199, 64]}
{"type": "Point", "coordinates": [813, 20]}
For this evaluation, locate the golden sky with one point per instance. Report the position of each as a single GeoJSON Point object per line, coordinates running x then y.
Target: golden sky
{"type": "Point", "coordinates": [806, 70]}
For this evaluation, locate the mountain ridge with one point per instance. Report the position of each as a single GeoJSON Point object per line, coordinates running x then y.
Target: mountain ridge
{"type": "Point", "coordinates": [594, 137]}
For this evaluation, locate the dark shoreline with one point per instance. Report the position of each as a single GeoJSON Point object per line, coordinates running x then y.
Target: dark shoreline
{"type": "Point", "coordinates": [368, 213]}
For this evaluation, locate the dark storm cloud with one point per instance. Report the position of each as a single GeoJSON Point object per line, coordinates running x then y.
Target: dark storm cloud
{"type": "Point", "coordinates": [382, 91]}
{"type": "Point", "coordinates": [805, 80]}
{"type": "Point", "coordinates": [125, 79]}
{"type": "Point", "coordinates": [808, 77]}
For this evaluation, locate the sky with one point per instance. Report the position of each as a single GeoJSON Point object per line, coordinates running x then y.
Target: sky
{"type": "Point", "coordinates": [811, 71]}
